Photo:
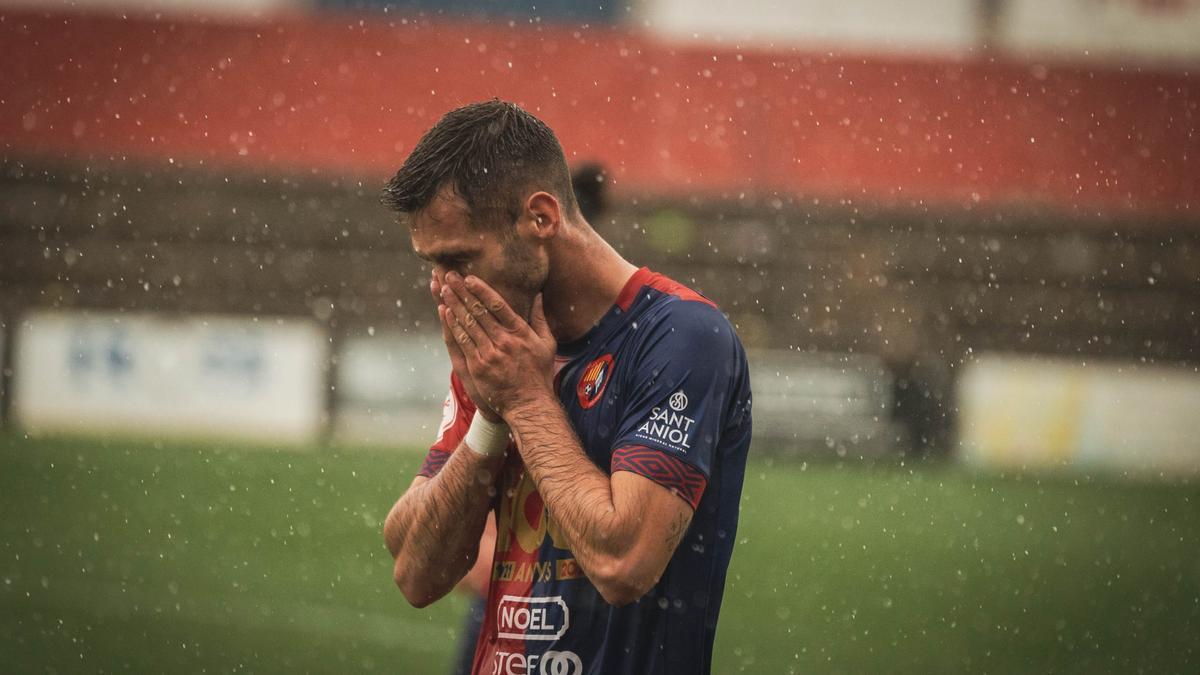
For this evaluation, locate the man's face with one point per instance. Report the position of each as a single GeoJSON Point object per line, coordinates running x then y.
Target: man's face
{"type": "Point", "coordinates": [442, 234]}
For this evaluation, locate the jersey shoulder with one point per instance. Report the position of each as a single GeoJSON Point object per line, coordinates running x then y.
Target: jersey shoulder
{"type": "Point", "coordinates": [681, 323]}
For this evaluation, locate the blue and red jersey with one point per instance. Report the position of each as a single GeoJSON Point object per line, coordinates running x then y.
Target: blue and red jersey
{"type": "Point", "coordinates": [658, 387]}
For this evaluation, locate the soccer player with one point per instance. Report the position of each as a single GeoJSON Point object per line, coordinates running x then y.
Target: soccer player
{"type": "Point", "coordinates": [600, 411]}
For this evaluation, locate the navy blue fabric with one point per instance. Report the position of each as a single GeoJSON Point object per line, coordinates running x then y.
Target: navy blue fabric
{"type": "Point", "coordinates": [662, 346]}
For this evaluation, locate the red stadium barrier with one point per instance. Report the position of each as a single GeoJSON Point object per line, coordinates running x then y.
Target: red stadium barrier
{"type": "Point", "coordinates": [341, 92]}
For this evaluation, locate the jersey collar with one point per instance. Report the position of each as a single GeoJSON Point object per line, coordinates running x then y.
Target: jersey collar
{"type": "Point", "coordinates": [611, 318]}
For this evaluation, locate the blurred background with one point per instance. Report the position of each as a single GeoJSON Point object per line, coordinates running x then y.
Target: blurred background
{"type": "Point", "coordinates": [960, 239]}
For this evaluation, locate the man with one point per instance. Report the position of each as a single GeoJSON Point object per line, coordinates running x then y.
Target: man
{"type": "Point", "coordinates": [601, 411]}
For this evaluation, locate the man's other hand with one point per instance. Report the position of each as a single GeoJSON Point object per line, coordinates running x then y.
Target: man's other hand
{"type": "Point", "coordinates": [457, 359]}
{"type": "Point", "coordinates": [511, 361]}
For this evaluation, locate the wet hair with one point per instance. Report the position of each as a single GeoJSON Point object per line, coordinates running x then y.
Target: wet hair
{"type": "Point", "coordinates": [590, 181]}
{"type": "Point", "coordinates": [493, 154]}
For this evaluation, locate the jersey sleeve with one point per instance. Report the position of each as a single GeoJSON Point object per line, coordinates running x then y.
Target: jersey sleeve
{"type": "Point", "coordinates": [684, 375]}
{"type": "Point", "coordinates": [457, 411]}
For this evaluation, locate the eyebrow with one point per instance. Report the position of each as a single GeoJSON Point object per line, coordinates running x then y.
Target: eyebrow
{"type": "Point", "coordinates": [447, 254]}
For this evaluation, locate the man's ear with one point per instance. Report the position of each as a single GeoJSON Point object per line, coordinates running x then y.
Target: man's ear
{"type": "Point", "coordinates": [543, 215]}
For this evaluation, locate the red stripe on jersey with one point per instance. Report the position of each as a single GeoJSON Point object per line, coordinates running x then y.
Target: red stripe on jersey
{"type": "Point", "coordinates": [644, 277]}
{"type": "Point", "coordinates": [670, 472]}
{"type": "Point", "coordinates": [630, 290]}
{"type": "Point", "coordinates": [518, 523]}
{"type": "Point", "coordinates": [434, 461]}
{"type": "Point", "coordinates": [453, 432]}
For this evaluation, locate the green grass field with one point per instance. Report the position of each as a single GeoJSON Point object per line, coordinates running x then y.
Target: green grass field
{"type": "Point", "coordinates": [130, 556]}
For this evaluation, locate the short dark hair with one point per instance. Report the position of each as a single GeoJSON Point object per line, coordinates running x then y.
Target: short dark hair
{"type": "Point", "coordinates": [492, 154]}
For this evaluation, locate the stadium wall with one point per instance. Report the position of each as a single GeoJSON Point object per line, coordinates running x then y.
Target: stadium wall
{"type": "Point", "coordinates": [351, 94]}
{"type": "Point", "coordinates": [923, 291]}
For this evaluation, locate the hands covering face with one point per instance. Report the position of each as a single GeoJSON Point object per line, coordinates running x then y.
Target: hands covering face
{"type": "Point", "coordinates": [503, 361]}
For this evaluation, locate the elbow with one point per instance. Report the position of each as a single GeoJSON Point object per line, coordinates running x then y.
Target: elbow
{"type": "Point", "coordinates": [619, 595]}
{"type": "Point", "coordinates": [423, 588]}
{"type": "Point", "coordinates": [401, 575]}
{"type": "Point", "coordinates": [417, 598]}
{"type": "Point", "coordinates": [417, 593]}
{"type": "Point", "coordinates": [621, 581]}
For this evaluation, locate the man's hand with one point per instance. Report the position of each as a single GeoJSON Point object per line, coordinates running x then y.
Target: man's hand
{"type": "Point", "coordinates": [510, 361]}
{"type": "Point", "coordinates": [458, 360]}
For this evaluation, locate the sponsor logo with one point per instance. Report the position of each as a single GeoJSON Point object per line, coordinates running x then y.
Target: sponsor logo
{"type": "Point", "coordinates": [594, 380]}
{"type": "Point", "coordinates": [560, 663]}
{"type": "Point", "coordinates": [550, 663]}
{"type": "Point", "coordinates": [678, 401]}
{"type": "Point", "coordinates": [545, 618]}
{"type": "Point", "coordinates": [523, 519]}
{"type": "Point", "coordinates": [668, 425]}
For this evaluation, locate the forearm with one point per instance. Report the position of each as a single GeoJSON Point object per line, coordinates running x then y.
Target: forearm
{"type": "Point", "coordinates": [477, 579]}
{"type": "Point", "coordinates": [574, 489]}
{"type": "Point", "coordinates": [433, 531]}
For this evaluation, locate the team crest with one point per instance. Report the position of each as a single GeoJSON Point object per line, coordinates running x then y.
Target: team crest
{"type": "Point", "coordinates": [594, 380]}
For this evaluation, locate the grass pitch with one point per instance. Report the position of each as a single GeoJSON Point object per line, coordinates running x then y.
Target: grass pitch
{"type": "Point", "coordinates": [125, 555]}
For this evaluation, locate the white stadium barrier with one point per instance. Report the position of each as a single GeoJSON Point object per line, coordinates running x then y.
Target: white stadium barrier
{"type": "Point", "coordinates": [1025, 412]}
{"type": "Point", "coordinates": [823, 403]}
{"type": "Point", "coordinates": [1119, 31]}
{"type": "Point", "coordinates": [390, 388]}
{"type": "Point", "coordinates": [212, 376]}
{"type": "Point", "coordinates": [918, 26]}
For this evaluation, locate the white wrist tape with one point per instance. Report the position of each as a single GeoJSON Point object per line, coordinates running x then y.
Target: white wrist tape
{"type": "Point", "coordinates": [489, 439]}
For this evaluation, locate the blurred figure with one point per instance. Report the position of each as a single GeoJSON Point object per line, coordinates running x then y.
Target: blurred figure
{"type": "Point", "coordinates": [590, 181]}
